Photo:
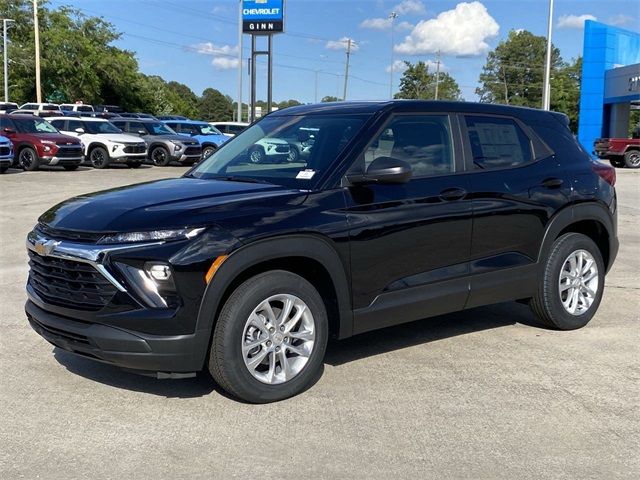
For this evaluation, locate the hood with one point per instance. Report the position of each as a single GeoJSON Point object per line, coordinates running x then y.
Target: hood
{"type": "Point", "coordinates": [119, 137]}
{"type": "Point", "coordinates": [163, 204]}
{"type": "Point", "coordinates": [58, 138]}
{"type": "Point", "coordinates": [217, 139]}
{"type": "Point", "coordinates": [4, 140]}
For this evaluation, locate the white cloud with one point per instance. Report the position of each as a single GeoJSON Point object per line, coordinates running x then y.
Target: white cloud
{"type": "Point", "coordinates": [208, 48]}
{"type": "Point", "coordinates": [342, 44]}
{"type": "Point", "coordinates": [224, 63]}
{"type": "Point", "coordinates": [384, 24]}
{"type": "Point", "coordinates": [410, 6]}
{"type": "Point", "coordinates": [463, 31]}
{"type": "Point", "coordinates": [398, 66]}
{"type": "Point", "coordinates": [376, 23]}
{"type": "Point", "coordinates": [574, 21]}
{"type": "Point", "coordinates": [620, 19]}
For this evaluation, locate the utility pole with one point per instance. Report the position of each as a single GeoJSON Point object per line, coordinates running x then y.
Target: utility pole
{"type": "Point", "coordinates": [546, 93]}
{"type": "Point", "coordinates": [392, 17]}
{"type": "Point", "coordinates": [5, 21]}
{"type": "Point", "coordinates": [346, 69]}
{"type": "Point", "coordinates": [37, 41]}
{"type": "Point", "coordinates": [437, 73]}
{"type": "Point", "coordinates": [239, 109]}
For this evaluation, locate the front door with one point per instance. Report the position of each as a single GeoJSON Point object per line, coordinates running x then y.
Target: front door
{"type": "Point", "coordinates": [410, 242]}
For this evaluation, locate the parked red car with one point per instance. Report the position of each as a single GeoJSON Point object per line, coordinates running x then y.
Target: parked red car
{"type": "Point", "coordinates": [621, 152]}
{"type": "Point", "coordinates": [36, 142]}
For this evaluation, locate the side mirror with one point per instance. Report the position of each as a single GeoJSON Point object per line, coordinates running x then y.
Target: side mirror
{"type": "Point", "coordinates": [9, 131]}
{"type": "Point", "coordinates": [385, 170]}
{"type": "Point", "coordinates": [142, 132]}
{"type": "Point", "coordinates": [79, 130]}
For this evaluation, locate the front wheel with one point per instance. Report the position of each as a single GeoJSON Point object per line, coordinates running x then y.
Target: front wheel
{"type": "Point", "coordinates": [294, 155]}
{"type": "Point", "coordinates": [99, 158]}
{"type": "Point", "coordinates": [160, 156]}
{"type": "Point", "coordinates": [632, 159]}
{"type": "Point", "coordinates": [270, 338]}
{"type": "Point", "coordinates": [256, 155]}
{"type": "Point", "coordinates": [571, 288]}
{"type": "Point", "coordinates": [28, 159]}
{"type": "Point", "coordinates": [207, 151]}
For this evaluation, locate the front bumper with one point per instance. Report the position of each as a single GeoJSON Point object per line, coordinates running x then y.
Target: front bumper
{"type": "Point", "coordinates": [149, 354]}
{"type": "Point", "coordinates": [187, 158]}
{"type": "Point", "coordinates": [128, 157]}
{"type": "Point", "coordinates": [53, 160]}
{"type": "Point", "coordinates": [6, 161]}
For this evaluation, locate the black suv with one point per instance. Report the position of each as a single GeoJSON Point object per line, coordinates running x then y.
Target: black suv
{"type": "Point", "coordinates": [402, 210]}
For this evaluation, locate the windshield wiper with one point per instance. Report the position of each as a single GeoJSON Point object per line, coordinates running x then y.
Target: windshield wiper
{"type": "Point", "coordinates": [231, 178]}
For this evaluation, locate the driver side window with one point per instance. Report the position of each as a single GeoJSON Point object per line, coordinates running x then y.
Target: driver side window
{"type": "Point", "coordinates": [423, 141]}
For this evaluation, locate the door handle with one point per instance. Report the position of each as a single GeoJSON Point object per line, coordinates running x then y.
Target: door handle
{"type": "Point", "coordinates": [451, 194]}
{"type": "Point", "coordinates": [552, 183]}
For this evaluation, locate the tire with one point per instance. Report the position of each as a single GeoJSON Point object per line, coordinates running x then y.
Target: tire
{"type": "Point", "coordinates": [28, 159]}
{"type": "Point", "coordinates": [256, 155]}
{"type": "Point", "coordinates": [547, 304]}
{"type": "Point", "coordinates": [134, 164]}
{"type": "Point", "coordinates": [616, 162]}
{"type": "Point", "coordinates": [208, 150]}
{"type": "Point", "coordinates": [160, 156]}
{"type": "Point", "coordinates": [70, 168]}
{"type": "Point", "coordinates": [99, 157]}
{"type": "Point", "coordinates": [294, 155]}
{"type": "Point", "coordinates": [227, 360]}
{"type": "Point", "coordinates": [632, 159]}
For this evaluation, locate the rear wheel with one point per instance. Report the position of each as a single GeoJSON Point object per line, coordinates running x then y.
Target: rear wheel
{"type": "Point", "coordinates": [294, 155]}
{"type": "Point", "coordinates": [632, 159]}
{"type": "Point", "coordinates": [270, 338]}
{"type": "Point", "coordinates": [99, 157]}
{"type": "Point", "coordinates": [571, 288]}
{"type": "Point", "coordinates": [28, 159]}
{"type": "Point", "coordinates": [160, 156]}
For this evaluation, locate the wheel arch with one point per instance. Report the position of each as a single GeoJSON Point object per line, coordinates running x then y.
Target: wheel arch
{"type": "Point", "coordinates": [310, 256]}
{"type": "Point", "coordinates": [93, 145]}
{"type": "Point", "coordinates": [593, 220]}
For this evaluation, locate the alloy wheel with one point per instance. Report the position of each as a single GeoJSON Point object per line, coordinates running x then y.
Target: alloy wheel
{"type": "Point", "coordinates": [579, 282]}
{"type": "Point", "coordinates": [26, 159]}
{"type": "Point", "coordinates": [97, 158]}
{"type": "Point", "coordinates": [278, 339]}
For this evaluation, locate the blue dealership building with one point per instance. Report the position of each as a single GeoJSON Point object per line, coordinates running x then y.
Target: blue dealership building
{"type": "Point", "coordinates": [610, 81]}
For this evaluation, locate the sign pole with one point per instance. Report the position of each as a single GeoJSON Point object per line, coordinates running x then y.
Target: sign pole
{"type": "Point", "coordinates": [253, 78]}
{"type": "Point", "coordinates": [270, 74]}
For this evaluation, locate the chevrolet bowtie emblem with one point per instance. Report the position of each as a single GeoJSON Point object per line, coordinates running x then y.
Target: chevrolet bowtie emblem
{"type": "Point", "coordinates": [44, 248]}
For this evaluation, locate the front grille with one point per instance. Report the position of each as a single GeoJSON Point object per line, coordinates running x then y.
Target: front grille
{"type": "Point", "coordinates": [193, 151]}
{"type": "Point", "coordinates": [4, 151]}
{"type": "Point", "coordinates": [71, 151]}
{"type": "Point", "coordinates": [135, 148]}
{"type": "Point", "coordinates": [69, 284]}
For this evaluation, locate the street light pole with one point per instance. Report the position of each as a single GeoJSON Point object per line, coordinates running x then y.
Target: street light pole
{"type": "Point", "coordinates": [392, 17]}
{"type": "Point", "coordinates": [5, 21]}
{"type": "Point", "coordinates": [37, 42]}
{"type": "Point", "coordinates": [546, 93]}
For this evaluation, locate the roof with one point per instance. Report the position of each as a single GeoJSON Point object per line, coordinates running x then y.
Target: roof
{"type": "Point", "coordinates": [371, 107]}
{"type": "Point", "coordinates": [84, 119]}
{"type": "Point", "coordinates": [188, 122]}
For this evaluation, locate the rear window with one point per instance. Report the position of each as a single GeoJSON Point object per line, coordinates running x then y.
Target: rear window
{"type": "Point", "coordinates": [497, 142]}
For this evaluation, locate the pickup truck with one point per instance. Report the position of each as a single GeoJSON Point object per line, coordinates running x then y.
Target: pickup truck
{"type": "Point", "coordinates": [621, 152]}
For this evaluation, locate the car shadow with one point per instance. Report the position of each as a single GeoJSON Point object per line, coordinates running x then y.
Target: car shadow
{"type": "Point", "coordinates": [339, 352]}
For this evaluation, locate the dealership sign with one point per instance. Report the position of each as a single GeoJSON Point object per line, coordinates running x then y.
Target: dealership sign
{"type": "Point", "coordinates": [262, 16]}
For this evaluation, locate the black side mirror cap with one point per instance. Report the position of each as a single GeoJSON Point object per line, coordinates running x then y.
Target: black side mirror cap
{"type": "Point", "coordinates": [385, 170]}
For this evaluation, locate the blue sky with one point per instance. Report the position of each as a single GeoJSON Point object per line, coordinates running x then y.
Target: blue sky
{"type": "Point", "coordinates": [195, 41]}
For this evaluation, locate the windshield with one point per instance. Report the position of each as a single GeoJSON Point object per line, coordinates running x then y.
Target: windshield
{"type": "Point", "coordinates": [157, 128]}
{"type": "Point", "coordinates": [101, 127]}
{"type": "Point", "coordinates": [206, 129]}
{"type": "Point", "coordinates": [33, 125]}
{"type": "Point", "coordinates": [293, 151]}
{"type": "Point", "coordinates": [84, 108]}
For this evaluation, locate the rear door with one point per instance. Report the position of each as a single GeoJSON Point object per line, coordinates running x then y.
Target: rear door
{"type": "Point", "coordinates": [410, 242]}
{"type": "Point", "coordinates": [517, 184]}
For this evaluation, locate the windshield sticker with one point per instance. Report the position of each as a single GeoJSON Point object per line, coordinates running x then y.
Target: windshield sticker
{"type": "Point", "coordinates": [306, 174]}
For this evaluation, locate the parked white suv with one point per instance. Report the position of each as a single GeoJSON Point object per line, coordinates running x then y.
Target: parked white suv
{"type": "Point", "coordinates": [78, 108]}
{"type": "Point", "coordinates": [230, 129]}
{"type": "Point", "coordinates": [40, 109]}
{"type": "Point", "coordinates": [104, 143]}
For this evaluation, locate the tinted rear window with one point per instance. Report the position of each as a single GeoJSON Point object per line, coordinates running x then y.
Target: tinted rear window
{"type": "Point", "coordinates": [497, 142]}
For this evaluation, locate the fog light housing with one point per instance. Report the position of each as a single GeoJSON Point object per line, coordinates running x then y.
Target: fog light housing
{"type": "Point", "coordinates": [153, 283]}
{"type": "Point", "coordinates": [159, 272]}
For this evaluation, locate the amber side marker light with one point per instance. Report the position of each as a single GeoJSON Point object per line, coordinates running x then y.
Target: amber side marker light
{"type": "Point", "coordinates": [214, 267]}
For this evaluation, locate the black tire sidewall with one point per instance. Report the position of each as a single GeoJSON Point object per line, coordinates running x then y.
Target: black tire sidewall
{"type": "Point", "coordinates": [566, 245]}
{"type": "Point", "coordinates": [164, 162]}
{"type": "Point", "coordinates": [208, 151]}
{"type": "Point", "coordinates": [628, 156]}
{"type": "Point", "coordinates": [106, 158]}
{"type": "Point", "coordinates": [36, 161]}
{"type": "Point", "coordinates": [228, 340]}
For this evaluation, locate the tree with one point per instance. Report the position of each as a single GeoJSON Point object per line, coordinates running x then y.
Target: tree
{"type": "Point", "coordinates": [514, 71]}
{"type": "Point", "coordinates": [288, 103]}
{"type": "Point", "coordinates": [214, 106]}
{"type": "Point", "coordinates": [565, 91]}
{"type": "Point", "coordinates": [329, 99]}
{"type": "Point", "coordinates": [420, 84]}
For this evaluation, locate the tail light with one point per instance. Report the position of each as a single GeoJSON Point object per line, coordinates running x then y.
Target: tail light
{"type": "Point", "coordinates": [606, 172]}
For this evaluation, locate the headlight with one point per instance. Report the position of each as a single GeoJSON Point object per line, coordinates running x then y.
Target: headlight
{"type": "Point", "coordinates": [177, 146]}
{"type": "Point", "coordinates": [115, 146]}
{"type": "Point", "coordinates": [153, 283]}
{"type": "Point", "coordinates": [154, 235]}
